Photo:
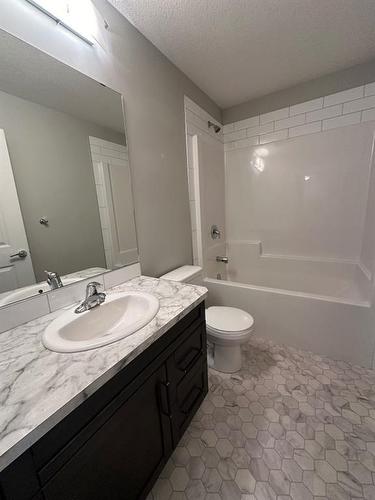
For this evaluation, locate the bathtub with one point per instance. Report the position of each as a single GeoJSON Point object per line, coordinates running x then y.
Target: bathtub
{"type": "Point", "coordinates": [320, 305]}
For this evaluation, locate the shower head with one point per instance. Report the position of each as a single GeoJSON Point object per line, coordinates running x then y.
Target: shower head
{"type": "Point", "coordinates": [214, 126]}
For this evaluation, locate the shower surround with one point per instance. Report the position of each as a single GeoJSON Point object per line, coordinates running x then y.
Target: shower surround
{"type": "Point", "coordinates": [299, 204]}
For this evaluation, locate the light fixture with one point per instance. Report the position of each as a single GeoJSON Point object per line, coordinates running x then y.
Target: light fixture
{"type": "Point", "coordinates": [77, 16]}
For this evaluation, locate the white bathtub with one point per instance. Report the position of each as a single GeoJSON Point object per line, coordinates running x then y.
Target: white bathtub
{"type": "Point", "coordinates": [322, 306]}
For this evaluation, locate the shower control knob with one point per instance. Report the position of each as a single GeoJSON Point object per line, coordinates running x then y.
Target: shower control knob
{"type": "Point", "coordinates": [215, 232]}
{"type": "Point", "coordinates": [225, 260]}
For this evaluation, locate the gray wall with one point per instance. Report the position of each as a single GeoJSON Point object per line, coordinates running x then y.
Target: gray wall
{"type": "Point", "coordinates": [153, 89]}
{"type": "Point", "coordinates": [329, 84]}
{"type": "Point", "coordinates": [51, 161]}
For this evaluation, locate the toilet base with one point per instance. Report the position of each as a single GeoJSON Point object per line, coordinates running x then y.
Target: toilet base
{"type": "Point", "coordinates": [227, 359]}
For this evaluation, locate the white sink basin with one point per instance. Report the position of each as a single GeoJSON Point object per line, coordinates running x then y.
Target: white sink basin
{"type": "Point", "coordinates": [119, 316]}
{"type": "Point", "coordinates": [30, 291]}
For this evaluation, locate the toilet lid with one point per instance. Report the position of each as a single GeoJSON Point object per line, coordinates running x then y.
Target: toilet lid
{"type": "Point", "coordinates": [228, 319]}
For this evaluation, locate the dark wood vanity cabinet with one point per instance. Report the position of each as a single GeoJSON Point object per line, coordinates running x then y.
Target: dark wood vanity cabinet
{"type": "Point", "coordinates": [115, 444]}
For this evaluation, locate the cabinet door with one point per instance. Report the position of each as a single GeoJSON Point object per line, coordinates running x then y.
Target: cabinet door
{"type": "Point", "coordinates": [122, 459]}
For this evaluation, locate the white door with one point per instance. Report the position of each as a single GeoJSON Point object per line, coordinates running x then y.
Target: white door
{"type": "Point", "coordinates": [15, 271]}
{"type": "Point", "coordinates": [117, 185]}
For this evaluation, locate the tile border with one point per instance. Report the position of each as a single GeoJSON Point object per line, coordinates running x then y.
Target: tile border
{"type": "Point", "coordinates": [349, 107]}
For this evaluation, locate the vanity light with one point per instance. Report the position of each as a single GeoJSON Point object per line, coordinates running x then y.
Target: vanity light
{"type": "Point", "coordinates": [76, 16]}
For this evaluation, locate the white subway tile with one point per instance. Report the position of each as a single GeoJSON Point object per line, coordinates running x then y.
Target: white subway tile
{"type": "Point", "coordinates": [307, 106]}
{"type": "Point", "coordinates": [274, 136]}
{"type": "Point", "coordinates": [262, 129]}
{"type": "Point", "coordinates": [229, 146]}
{"type": "Point", "coordinates": [95, 149]}
{"type": "Point", "coordinates": [344, 96]}
{"type": "Point", "coordinates": [233, 136]}
{"type": "Point", "coordinates": [359, 104]}
{"type": "Point", "coordinates": [191, 179]}
{"type": "Point", "coordinates": [228, 128]}
{"type": "Point", "coordinates": [112, 153]}
{"type": "Point", "coordinates": [322, 114]}
{"type": "Point", "coordinates": [116, 161]}
{"type": "Point", "coordinates": [290, 122]}
{"type": "Point", "coordinates": [342, 121]}
{"type": "Point", "coordinates": [21, 312]}
{"type": "Point", "coordinates": [193, 214]}
{"type": "Point", "coordinates": [310, 128]}
{"type": "Point", "coordinates": [98, 172]}
{"type": "Point", "coordinates": [95, 140]}
{"type": "Point", "coordinates": [245, 143]}
{"type": "Point", "coordinates": [100, 191]}
{"type": "Point", "coordinates": [249, 122]}
{"type": "Point", "coordinates": [368, 115]}
{"type": "Point", "coordinates": [104, 217]}
{"type": "Point", "coordinates": [274, 115]}
{"type": "Point", "coordinates": [370, 89]}
{"type": "Point", "coordinates": [196, 120]}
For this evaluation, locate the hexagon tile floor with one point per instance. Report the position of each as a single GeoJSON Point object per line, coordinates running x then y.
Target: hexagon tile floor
{"type": "Point", "coordinates": [289, 425]}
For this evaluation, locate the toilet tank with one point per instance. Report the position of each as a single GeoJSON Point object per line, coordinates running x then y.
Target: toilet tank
{"type": "Point", "coordinates": [185, 274]}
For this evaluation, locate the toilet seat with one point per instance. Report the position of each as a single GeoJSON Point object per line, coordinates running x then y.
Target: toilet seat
{"type": "Point", "coordinates": [228, 323]}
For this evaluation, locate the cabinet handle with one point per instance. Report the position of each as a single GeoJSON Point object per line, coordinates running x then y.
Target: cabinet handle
{"type": "Point", "coordinates": [186, 364]}
{"type": "Point", "coordinates": [191, 400]}
{"type": "Point", "coordinates": [165, 398]}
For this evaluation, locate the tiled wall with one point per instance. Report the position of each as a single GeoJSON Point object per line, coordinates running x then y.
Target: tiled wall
{"type": "Point", "coordinates": [205, 162]}
{"type": "Point", "coordinates": [306, 194]}
{"type": "Point", "coordinates": [349, 107]}
{"type": "Point", "coordinates": [196, 125]}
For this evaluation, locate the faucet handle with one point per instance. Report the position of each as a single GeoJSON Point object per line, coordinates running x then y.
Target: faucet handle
{"type": "Point", "coordinates": [92, 288]}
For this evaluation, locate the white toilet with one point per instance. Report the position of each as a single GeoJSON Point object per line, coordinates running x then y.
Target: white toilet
{"type": "Point", "coordinates": [227, 327]}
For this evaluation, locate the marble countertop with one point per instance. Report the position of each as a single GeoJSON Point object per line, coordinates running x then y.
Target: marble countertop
{"type": "Point", "coordinates": [38, 387]}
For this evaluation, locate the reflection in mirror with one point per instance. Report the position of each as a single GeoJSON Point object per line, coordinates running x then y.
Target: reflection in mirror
{"type": "Point", "coordinates": [65, 189]}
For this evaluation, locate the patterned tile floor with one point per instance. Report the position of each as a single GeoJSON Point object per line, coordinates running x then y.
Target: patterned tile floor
{"type": "Point", "coordinates": [289, 425]}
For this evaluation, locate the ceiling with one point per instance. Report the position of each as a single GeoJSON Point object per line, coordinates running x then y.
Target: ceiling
{"type": "Point", "coordinates": [236, 50]}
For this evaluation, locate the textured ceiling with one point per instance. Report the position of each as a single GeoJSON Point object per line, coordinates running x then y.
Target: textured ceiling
{"type": "Point", "coordinates": [237, 50]}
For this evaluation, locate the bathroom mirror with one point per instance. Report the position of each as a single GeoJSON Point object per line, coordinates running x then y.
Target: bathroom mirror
{"type": "Point", "coordinates": [66, 201]}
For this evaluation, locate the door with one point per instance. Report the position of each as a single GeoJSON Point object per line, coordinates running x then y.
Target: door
{"type": "Point", "coordinates": [120, 212]}
{"type": "Point", "coordinates": [123, 458]}
{"type": "Point", "coordinates": [15, 271]}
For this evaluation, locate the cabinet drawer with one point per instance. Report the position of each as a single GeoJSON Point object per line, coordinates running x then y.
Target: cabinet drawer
{"type": "Point", "coordinates": [188, 353]}
{"type": "Point", "coordinates": [189, 394]}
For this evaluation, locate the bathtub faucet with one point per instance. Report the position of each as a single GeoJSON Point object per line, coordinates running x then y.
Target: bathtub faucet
{"type": "Point", "coordinates": [225, 260]}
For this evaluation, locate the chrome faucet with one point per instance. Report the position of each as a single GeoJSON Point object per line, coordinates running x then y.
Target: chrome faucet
{"type": "Point", "coordinates": [54, 280]}
{"type": "Point", "coordinates": [222, 259]}
{"type": "Point", "coordinates": [93, 298]}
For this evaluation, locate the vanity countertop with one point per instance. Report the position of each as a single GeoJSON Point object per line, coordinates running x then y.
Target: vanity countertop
{"type": "Point", "coordinates": [38, 387]}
